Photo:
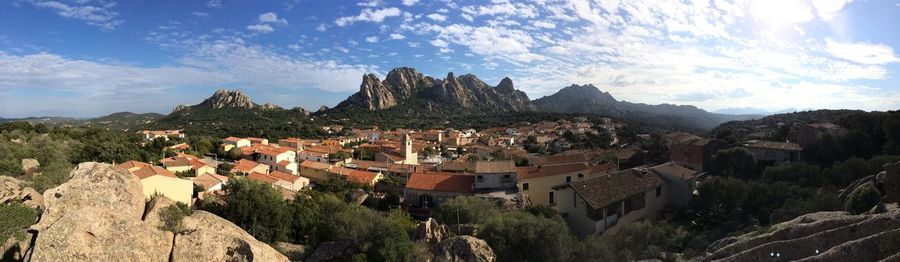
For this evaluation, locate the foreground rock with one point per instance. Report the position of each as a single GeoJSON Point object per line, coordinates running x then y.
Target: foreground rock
{"type": "Point", "coordinates": [94, 185]}
{"type": "Point", "coordinates": [464, 248]}
{"type": "Point", "coordinates": [94, 234]}
{"type": "Point", "coordinates": [207, 237]}
{"type": "Point", "coordinates": [824, 236]}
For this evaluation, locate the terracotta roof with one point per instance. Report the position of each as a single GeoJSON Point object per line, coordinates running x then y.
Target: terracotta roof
{"type": "Point", "coordinates": [284, 176]}
{"type": "Point", "coordinates": [209, 180]}
{"type": "Point", "coordinates": [262, 178]}
{"type": "Point", "coordinates": [354, 175]}
{"type": "Point", "coordinates": [604, 190]}
{"type": "Point", "coordinates": [181, 146]}
{"type": "Point", "coordinates": [543, 171]}
{"type": "Point", "coordinates": [455, 166]}
{"type": "Point", "coordinates": [392, 156]}
{"type": "Point", "coordinates": [175, 161]}
{"type": "Point", "coordinates": [149, 171]}
{"type": "Point", "coordinates": [272, 151]}
{"type": "Point", "coordinates": [442, 182]}
{"type": "Point", "coordinates": [314, 165]}
{"type": "Point", "coordinates": [131, 164]}
{"type": "Point", "coordinates": [773, 145]}
{"type": "Point", "coordinates": [232, 139]}
{"type": "Point", "coordinates": [284, 163]}
{"type": "Point", "coordinates": [244, 165]}
{"type": "Point", "coordinates": [676, 171]}
{"type": "Point", "coordinates": [559, 159]}
{"type": "Point", "coordinates": [507, 166]}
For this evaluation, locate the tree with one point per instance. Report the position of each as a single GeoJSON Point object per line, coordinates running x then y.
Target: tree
{"type": "Point", "coordinates": [258, 209]}
{"type": "Point", "coordinates": [735, 162]}
{"type": "Point", "coordinates": [521, 236]}
{"type": "Point", "coordinates": [465, 210]}
{"type": "Point", "coordinates": [862, 199]}
{"type": "Point", "coordinates": [171, 216]}
{"type": "Point", "coordinates": [720, 198]}
{"type": "Point", "coordinates": [801, 173]}
{"type": "Point", "coordinates": [235, 153]}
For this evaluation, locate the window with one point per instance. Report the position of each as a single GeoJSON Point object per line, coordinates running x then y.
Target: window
{"type": "Point", "coordinates": [658, 191]}
{"type": "Point", "coordinates": [479, 178]}
{"type": "Point", "coordinates": [568, 179]}
{"type": "Point", "coordinates": [552, 198]}
{"type": "Point", "coordinates": [524, 186]}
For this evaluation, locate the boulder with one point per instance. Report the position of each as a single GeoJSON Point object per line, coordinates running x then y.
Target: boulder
{"type": "Point", "coordinates": [890, 182]}
{"type": "Point", "coordinates": [16, 249]}
{"type": "Point", "coordinates": [207, 237]}
{"type": "Point", "coordinates": [464, 248]}
{"type": "Point", "coordinates": [293, 252]}
{"type": "Point", "coordinates": [32, 198]}
{"type": "Point", "coordinates": [154, 209]}
{"type": "Point", "coordinates": [357, 196]}
{"type": "Point", "coordinates": [100, 234]}
{"type": "Point", "coordinates": [94, 185]}
{"type": "Point", "coordinates": [30, 165]}
{"type": "Point", "coordinates": [10, 188]}
{"type": "Point", "coordinates": [431, 232]}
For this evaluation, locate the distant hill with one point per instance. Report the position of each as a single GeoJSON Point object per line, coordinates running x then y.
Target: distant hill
{"type": "Point", "coordinates": [588, 99]}
{"type": "Point", "coordinates": [757, 111]}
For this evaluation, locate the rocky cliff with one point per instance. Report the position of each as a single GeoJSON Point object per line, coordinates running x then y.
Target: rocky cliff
{"type": "Point", "coordinates": [402, 85]}
{"type": "Point", "coordinates": [99, 215]}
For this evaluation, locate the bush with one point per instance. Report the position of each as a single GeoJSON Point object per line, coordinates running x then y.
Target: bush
{"type": "Point", "coordinates": [521, 236]}
{"type": "Point", "coordinates": [15, 217]}
{"type": "Point", "coordinates": [171, 217]}
{"type": "Point", "coordinates": [862, 199]}
{"type": "Point", "coordinates": [735, 162]}
{"type": "Point", "coordinates": [258, 209]}
{"type": "Point", "coordinates": [465, 210]}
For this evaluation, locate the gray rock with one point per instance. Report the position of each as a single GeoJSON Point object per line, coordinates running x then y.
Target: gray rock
{"type": "Point", "coordinates": [30, 165]}
{"type": "Point", "coordinates": [94, 185]}
{"type": "Point", "coordinates": [431, 232]}
{"type": "Point", "coordinates": [101, 234]}
{"type": "Point", "coordinates": [464, 248]}
{"type": "Point", "coordinates": [154, 209]}
{"type": "Point", "coordinates": [293, 252]}
{"type": "Point", "coordinates": [207, 237]}
{"type": "Point", "coordinates": [10, 189]}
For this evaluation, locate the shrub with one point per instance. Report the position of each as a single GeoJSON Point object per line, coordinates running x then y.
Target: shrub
{"type": "Point", "coordinates": [14, 218]}
{"type": "Point", "coordinates": [171, 217]}
{"type": "Point", "coordinates": [862, 199]}
{"type": "Point", "coordinates": [465, 210]}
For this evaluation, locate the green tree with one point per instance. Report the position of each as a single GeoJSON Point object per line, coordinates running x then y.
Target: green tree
{"type": "Point", "coordinates": [735, 162]}
{"type": "Point", "coordinates": [258, 209]}
{"type": "Point", "coordinates": [862, 199]}
{"type": "Point", "coordinates": [521, 236]}
{"type": "Point", "coordinates": [720, 198]}
{"type": "Point", "coordinates": [235, 153]}
{"type": "Point", "coordinates": [465, 210]}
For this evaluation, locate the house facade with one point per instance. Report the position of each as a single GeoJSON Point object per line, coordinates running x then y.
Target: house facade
{"type": "Point", "coordinates": [773, 152]}
{"type": "Point", "coordinates": [602, 204]}
{"type": "Point", "coordinates": [427, 190]}
{"type": "Point", "coordinates": [495, 175]}
{"type": "Point", "coordinates": [537, 182]}
{"type": "Point", "coordinates": [681, 182]}
{"type": "Point", "coordinates": [695, 153]}
{"type": "Point", "coordinates": [158, 180]}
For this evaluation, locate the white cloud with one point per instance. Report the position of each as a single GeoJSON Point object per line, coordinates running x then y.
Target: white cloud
{"type": "Point", "coordinates": [214, 4]}
{"type": "Point", "coordinates": [863, 53]}
{"type": "Point", "coordinates": [544, 24]}
{"type": "Point", "coordinates": [397, 36]}
{"type": "Point", "coordinates": [372, 39]}
{"type": "Point", "coordinates": [271, 17]}
{"type": "Point", "coordinates": [410, 2]}
{"type": "Point", "coordinates": [491, 41]}
{"type": "Point", "coordinates": [98, 14]}
{"type": "Point", "coordinates": [438, 43]}
{"type": "Point", "coordinates": [437, 17]}
{"type": "Point", "coordinates": [321, 28]}
{"type": "Point", "coordinates": [262, 28]}
{"type": "Point", "coordinates": [368, 15]}
{"type": "Point", "coordinates": [828, 9]}
{"type": "Point", "coordinates": [370, 3]}
{"type": "Point", "coordinates": [200, 14]}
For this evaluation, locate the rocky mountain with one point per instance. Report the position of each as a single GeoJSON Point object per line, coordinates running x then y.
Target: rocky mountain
{"type": "Point", "coordinates": [757, 111]}
{"type": "Point", "coordinates": [223, 98]}
{"type": "Point", "coordinates": [406, 86]}
{"type": "Point", "coordinates": [588, 99]}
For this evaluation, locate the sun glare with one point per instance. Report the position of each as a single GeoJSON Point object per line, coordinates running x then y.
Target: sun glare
{"type": "Point", "coordinates": [781, 13]}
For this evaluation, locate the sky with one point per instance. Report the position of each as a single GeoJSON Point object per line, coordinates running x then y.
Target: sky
{"type": "Point", "coordinates": [84, 58]}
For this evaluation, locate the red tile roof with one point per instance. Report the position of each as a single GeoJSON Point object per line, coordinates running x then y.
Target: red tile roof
{"type": "Point", "coordinates": [244, 165]}
{"type": "Point", "coordinates": [354, 175]}
{"type": "Point", "coordinates": [284, 176]}
{"type": "Point", "coordinates": [442, 182]}
{"type": "Point", "coordinates": [262, 178]}
{"type": "Point", "coordinates": [314, 165]}
{"type": "Point", "coordinates": [543, 171]}
{"type": "Point", "coordinates": [149, 171]}
{"type": "Point", "coordinates": [131, 164]}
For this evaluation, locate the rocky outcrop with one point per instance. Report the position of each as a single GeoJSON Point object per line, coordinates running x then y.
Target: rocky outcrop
{"type": "Point", "coordinates": [97, 216]}
{"type": "Point", "coordinates": [180, 108]}
{"type": "Point", "coordinates": [30, 165]}
{"type": "Point", "coordinates": [464, 248]}
{"type": "Point", "coordinates": [270, 106]}
{"type": "Point", "coordinates": [10, 189]}
{"type": "Point", "coordinates": [207, 237]}
{"type": "Point", "coordinates": [404, 84]}
{"type": "Point", "coordinates": [97, 233]}
{"type": "Point", "coordinates": [323, 108]}
{"type": "Point", "coordinates": [431, 232]}
{"type": "Point", "coordinates": [293, 252]}
{"type": "Point", "coordinates": [94, 185]}
{"type": "Point", "coordinates": [223, 98]}
{"type": "Point", "coordinates": [824, 236]}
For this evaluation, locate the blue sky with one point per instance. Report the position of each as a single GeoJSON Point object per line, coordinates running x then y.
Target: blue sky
{"type": "Point", "coordinates": [94, 57]}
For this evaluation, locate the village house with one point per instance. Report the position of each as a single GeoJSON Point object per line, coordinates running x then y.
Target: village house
{"type": "Point", "coordinates": [246, 167]}
{"type": "Point", "coordinates": [158, 180]}
{"type": "Point", "coordinates": [602, 204]}
{"type": "Point", "coordinates": [183, 163]}
{"type": "Point", "coordinates": [278, 158]}
{"type": "Point", "coordinates": [258, 141]}
{"type": "Point", "coordinates": [681, 182]}
{"type": "Point", "coordinates": [806, 135]}
{"type": "Point", "coordinates": [537, 182]}
{"type": "Point", "coordinates": [695, 152]}
{"type": "Point", "coordinates": [773, 152]}
{"type": "Point", "coordinates": [356, 176]}
{"type": "Point", "coordinates": [131, 166]}
{"type": "Point", "coordinates": [401, 170]}
{"type": "Point", "coordinates": [492, 175]}
{"type": "Point", "coordinates": [292, 143]}
{"type": "Point", "coordinates": [181, 147]}
{"type": "Point", "coordinates": [294, 183]}
{"type": "Point", "coordinates": [210, 181]}
{"type": "Point", "coordinates": [314, 171]}
{"type": "Point", "coordinates": [151, 135]}
{"type": "Point", "coordinates": [309, 155]}
{"type": "Point", "coordinates": [427, 190]}
{"type": "Point", "coordinates": [406, 155]}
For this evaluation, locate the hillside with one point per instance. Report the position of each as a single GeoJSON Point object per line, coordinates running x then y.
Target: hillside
{"type": "Point", "coordinates": [588, 99]}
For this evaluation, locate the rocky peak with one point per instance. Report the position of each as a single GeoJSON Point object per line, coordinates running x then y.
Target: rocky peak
{"type": "Point", "coordinates": [506, 86]}
{"type": "Point", "coordinates": [223, 98]}
{"type": "Point", "coordinates": [270, 106]}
